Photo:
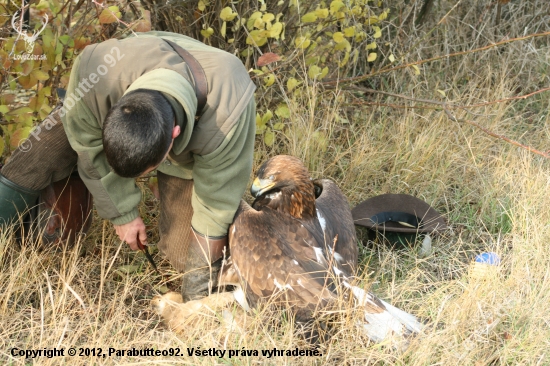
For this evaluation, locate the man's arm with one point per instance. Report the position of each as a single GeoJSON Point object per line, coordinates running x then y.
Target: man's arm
{"type": "Point", "coordinates": [116, 198]}
{"type": "Point", "coordinates": [220, 178]}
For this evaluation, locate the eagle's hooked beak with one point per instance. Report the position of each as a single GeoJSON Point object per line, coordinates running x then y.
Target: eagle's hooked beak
{"type": "Point", "coordinates": [260, 186]}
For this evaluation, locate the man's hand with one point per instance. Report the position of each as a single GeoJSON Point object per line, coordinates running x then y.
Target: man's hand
{"type": "Point", "coordinates": [131, 231]}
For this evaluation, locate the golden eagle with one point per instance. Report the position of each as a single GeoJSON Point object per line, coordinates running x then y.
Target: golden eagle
{"type": "Point", "coordinates": [297, 241]}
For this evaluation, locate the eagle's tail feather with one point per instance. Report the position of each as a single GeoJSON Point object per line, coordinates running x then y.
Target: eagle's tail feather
{"type": "Point", "coordinates": [382, 319]}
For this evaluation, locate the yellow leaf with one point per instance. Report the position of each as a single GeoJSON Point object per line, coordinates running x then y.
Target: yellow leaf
{"type": "Point", "coordinates": [282, 110]}
{"type": "Point", "coordinates": [291, 83]}
{"type": "Point", "coordinates": [269, 138]}
{"type": "Point", "coordinates": [371, 57]}
{"type": "Point", "coordinates": [335, 6]}
{"type": "Point", "coordinates": [202, 5]}
{"type": "Point", "coordinates": [345, 45]}
{"type": "Point", "coordinates": [227, 14]}
{"type": "Point", "coordinates": [278, 126]}
{"type": "Point", "coordinates": [391, 58]}
{"type": "Point", "coordinates": [309, 18]}
{"type": "Point", "coordinates": [40, 75]}
{"type": "Point", "coordinates": [377, 32]}
{"type": "Point", "coordinates": [344, 60]}
{"type": "Point", "coordinates": [207, 32]}
{"type": "Point", "coordinates": [276, 30]}
{"type": "Point", "coordinates": [321, 13]}
{"type": "Point", "coordinates": [269, 80]}
{"type": "Point", "coordinates": [314, 71]}
{"type": "Point", "coordinates": [372, 20]}
{"type": "Point", "coordinates": [267, 116]}
{"type": "Point", "coordinates": [257, 37]}
{"type": "Point", "coordinates": [357, 10]}
{"type": "Point", "coordinates": [360, 37]}
{"type": "Point", "coordinates": [224, 29]}
{"type": "Point", "coordinates": [416, 70]}
{"type": "Point", "coordinates": [441, 92]}
{"type": "Point", "coordinates": [338, 37]}
{"type": "Point", "coordinates": [259, 23]}
{"type": "Point", "coordinates": [349, 32]}
{"type": "Point", "coordinates": [371, 46]}
{"type": "Point", "coordinates": [302, 42]}
{"type": "Point", "coordinates": [250, 22]}
{"type": "Point", "coordinates": [323, 73]}
{"type": "Point", "coordinates": [268, 17]}
{"type": "Point", "coordinates": [383, 16]}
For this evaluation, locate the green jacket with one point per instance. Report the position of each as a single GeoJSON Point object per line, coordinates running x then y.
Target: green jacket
{"type": "Point", "coordinates": [216, 151]}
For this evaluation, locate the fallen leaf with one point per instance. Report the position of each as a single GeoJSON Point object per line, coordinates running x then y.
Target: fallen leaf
{"type": "Point", "coordinates": [267, 58]}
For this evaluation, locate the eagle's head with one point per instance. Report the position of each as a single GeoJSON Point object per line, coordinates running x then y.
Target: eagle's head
{"type": "Point", "coordinates": [283, 183]}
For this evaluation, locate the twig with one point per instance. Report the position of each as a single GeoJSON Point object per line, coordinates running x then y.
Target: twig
{"type": "Point", "coordinates": [436, 58]}
{"type": "Point", "coordinates": [445, 107]}
{"type": "Point", "coordinates": [525, 96]}
{"type": "Point", "coordinates": [501, 137]}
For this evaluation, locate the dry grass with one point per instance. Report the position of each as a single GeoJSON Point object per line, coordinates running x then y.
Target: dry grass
{"type": "Point", "coordinates": [495, 196]}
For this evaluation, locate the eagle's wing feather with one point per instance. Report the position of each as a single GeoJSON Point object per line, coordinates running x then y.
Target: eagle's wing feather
{"type": "Point", "coordinates": [335, 217]}
{"type": "Point", "coordinates": [271, 260]}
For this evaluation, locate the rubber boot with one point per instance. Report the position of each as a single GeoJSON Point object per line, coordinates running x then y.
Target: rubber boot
{"type": "Point", "coordinates": [14, 200]}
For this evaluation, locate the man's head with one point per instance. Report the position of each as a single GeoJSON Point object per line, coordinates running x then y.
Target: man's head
{"type": "Point", "coordinates": [138, 132]}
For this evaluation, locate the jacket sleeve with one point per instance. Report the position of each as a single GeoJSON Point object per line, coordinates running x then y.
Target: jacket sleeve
{"type": "Point", "coordinates": [220, 178]}
{"type": "Point", "coordinates": [115, 198]}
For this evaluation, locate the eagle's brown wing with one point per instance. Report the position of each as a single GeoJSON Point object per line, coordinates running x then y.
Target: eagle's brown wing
{"type": "Point", "coordinates": [335, 217]}
{"type": "Point", "coordinates": [274, 253]}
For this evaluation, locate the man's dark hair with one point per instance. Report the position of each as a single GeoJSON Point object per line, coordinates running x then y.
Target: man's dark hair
{"type": "Point", "coordinates": [137, 132]}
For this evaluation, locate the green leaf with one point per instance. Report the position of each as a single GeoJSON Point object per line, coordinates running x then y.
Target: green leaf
{"type": "Point", "coordinates": [269, 138]}
{"type": "Point", "coordinates": [278, 126]}
{"type": "Point", "coordinates": [269, 80]}
{"type": "Point", "coordinates": [4, 109]}
{"type": "Point", "coordinates": [314, 71]}
{"type": "Point", "coordinates": [129, 268]}
{"type": "Point", "coordinates": [267, 116]}
{"type": "Point", "coordinates": [302, 42]}
{"type": "Point", "coordinates": [309, 18]}
{"type": "Point", "coordinates": [291, 83]}
{"type": "Point", "coordinates": [282, 111]}
{"type": "Point", "coordinates": [19, 111]}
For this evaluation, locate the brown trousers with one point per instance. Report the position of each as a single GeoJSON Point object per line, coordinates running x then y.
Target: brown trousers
{"type": "Point", "coordinates": [51, 159]}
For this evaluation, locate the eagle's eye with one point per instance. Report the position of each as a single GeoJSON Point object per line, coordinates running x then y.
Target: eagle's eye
{"type": "Point", "coordinates": [271, 177]}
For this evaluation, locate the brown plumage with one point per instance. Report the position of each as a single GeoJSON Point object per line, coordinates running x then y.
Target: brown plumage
{"type": "Point", "coordinates": [297, 241]}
